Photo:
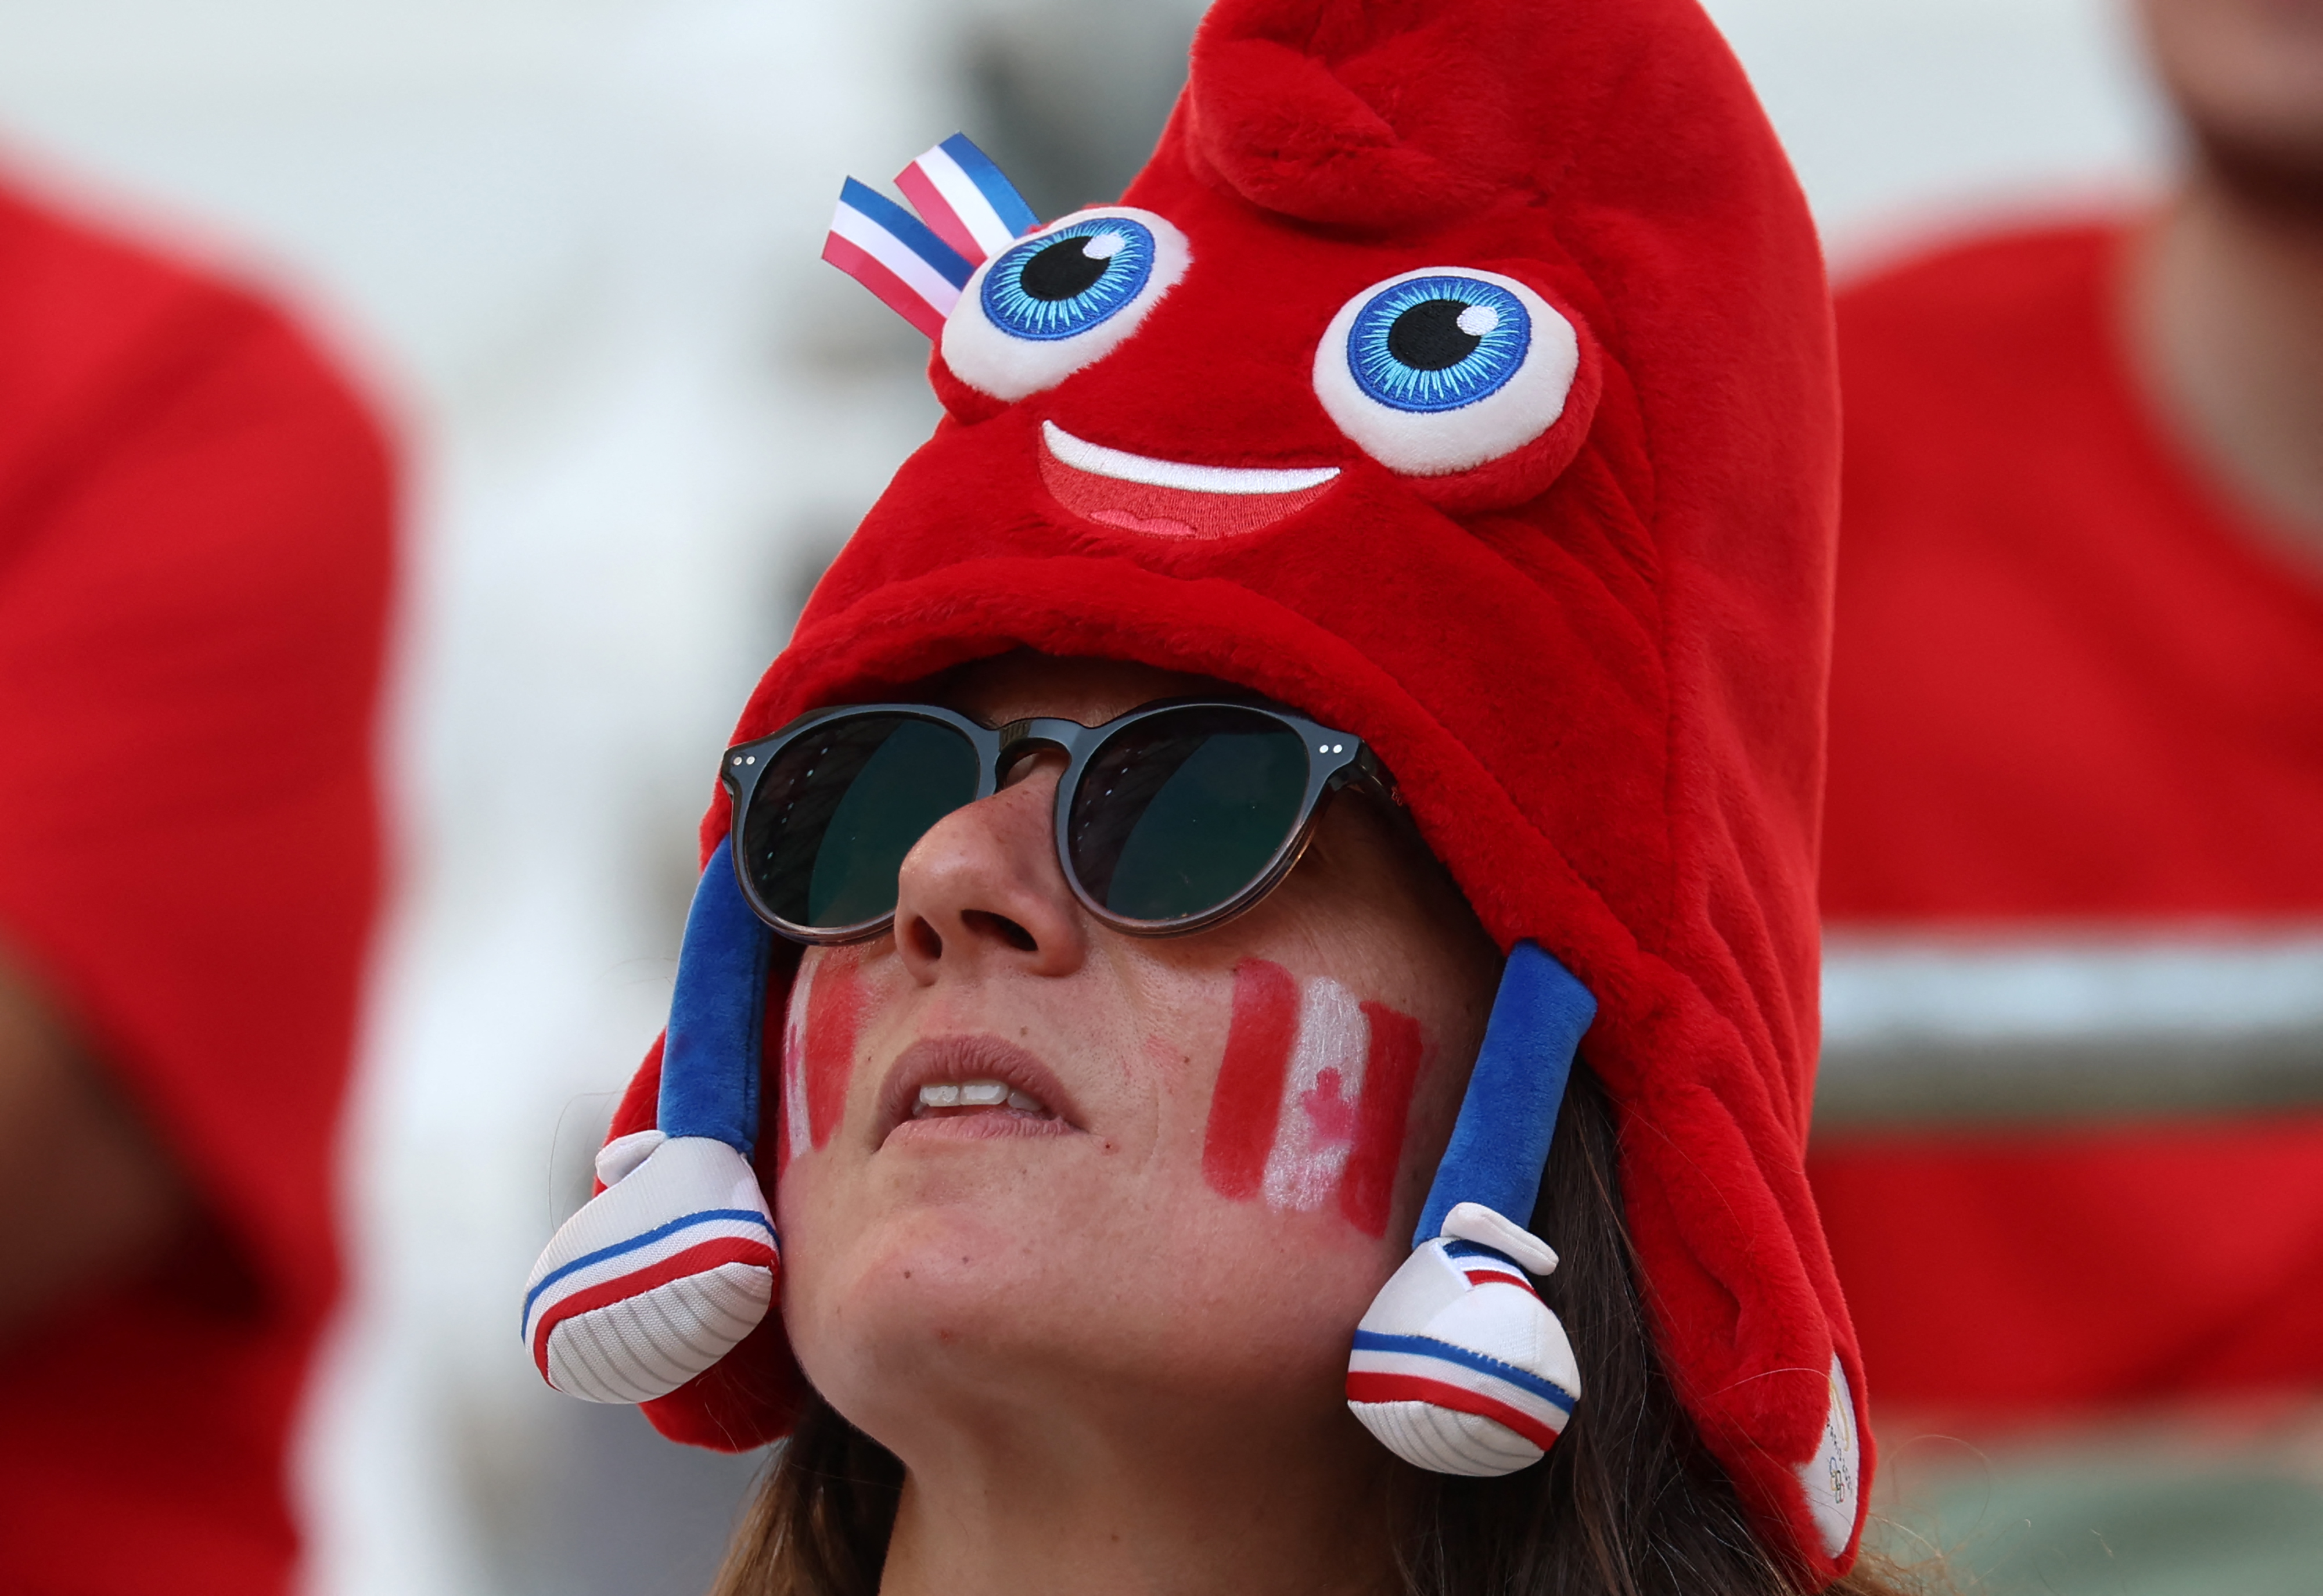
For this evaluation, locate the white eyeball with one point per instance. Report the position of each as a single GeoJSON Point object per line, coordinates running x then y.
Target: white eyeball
{"type": "Point", "coordinates": [1044, 307]}
{"type": "Point", "coordinates": [1441, 369]}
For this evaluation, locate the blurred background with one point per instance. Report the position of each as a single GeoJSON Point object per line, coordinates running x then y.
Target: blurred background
{"type": "Point", "coordinates": [570, 247]}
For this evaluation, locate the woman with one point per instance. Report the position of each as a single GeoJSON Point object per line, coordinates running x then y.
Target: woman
{"type": "Point", "coordinates": [1427, 467]}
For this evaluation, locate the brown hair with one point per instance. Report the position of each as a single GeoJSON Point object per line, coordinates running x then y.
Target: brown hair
{"type": "Point", "coordinates": [1628, 1503]}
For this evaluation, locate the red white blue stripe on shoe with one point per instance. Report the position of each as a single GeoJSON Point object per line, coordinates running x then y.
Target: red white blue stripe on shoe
{"type": "Point", "coordinates": [658, 1277]}
{"type": "Point", "coordinates": [1487, 1265]}
{"type": "Point", "coordinates": [1459, 1367]}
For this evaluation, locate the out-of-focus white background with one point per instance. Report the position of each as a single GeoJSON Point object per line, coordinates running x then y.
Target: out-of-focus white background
{"type": "Point", "coordinates": [571, 246]}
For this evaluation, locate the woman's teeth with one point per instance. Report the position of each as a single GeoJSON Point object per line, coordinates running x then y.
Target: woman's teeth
{"type": "Point", "coordinates": [977, 1094]}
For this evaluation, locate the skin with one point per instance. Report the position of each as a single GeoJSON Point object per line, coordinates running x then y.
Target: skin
{"type": "Point", "coordinates": [1100, 1374]}
{"type": "Point", "coordinates": [88, 1195]}
{"type": "Point", "coordinates": [2225, 296]}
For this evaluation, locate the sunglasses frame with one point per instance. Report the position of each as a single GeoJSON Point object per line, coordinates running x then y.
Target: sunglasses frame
{"type": "Point", "coordinates": [1336, 759]}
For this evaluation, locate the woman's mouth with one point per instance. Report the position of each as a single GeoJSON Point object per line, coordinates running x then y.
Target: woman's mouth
{"type": "Point", "coordinates": [970, 1088]}
{"type": "Point", "coordinates": [968, 1096]}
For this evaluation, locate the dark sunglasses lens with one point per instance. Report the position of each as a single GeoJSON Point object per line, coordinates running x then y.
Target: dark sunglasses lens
{"type": "Point", "coordinates": [1179, 813]}
{"type": "Point", "coordinates": [838, 810]}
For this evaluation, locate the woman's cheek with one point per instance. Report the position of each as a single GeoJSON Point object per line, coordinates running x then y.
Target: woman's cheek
{"type": "Point", "coordinates": [821, 1024]}
{"type": "Point", "coordinates": [1313, 1098]}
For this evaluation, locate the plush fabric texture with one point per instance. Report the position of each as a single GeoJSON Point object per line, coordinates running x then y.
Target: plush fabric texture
{"type": "Point", "coordinates": [1500, 1145]}
{"type": "Point", "coordinates": [2131, 739]}
{"type": "Point", "coordinates": [195, 554]}
{"type": "Point", "coordinates": [1595, 663]}
{"type": "Point", "coordinates": [1459, 1367]}
{"type": "Point", "coordinates": [654, 1279]}
{"type": "Point", "coordinates": [716, 1012]}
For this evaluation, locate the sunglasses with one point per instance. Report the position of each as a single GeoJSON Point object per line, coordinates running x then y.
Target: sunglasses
{"type": "Point", "coordinates": [1170, 818]}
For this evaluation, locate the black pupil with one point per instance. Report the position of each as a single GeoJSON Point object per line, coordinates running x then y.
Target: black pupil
{"type": "Point", "coordinates": [1064, 271]}
{"type": "Point", "coordinates": [1427, 337]}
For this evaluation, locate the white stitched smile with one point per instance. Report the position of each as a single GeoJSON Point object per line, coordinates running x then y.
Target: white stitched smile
{"type": "Point", "coordinates": [1123, 467]}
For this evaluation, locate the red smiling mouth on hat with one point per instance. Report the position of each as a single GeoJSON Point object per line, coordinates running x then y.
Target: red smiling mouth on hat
{"type": "Point", "coordinates": [1170, 498]}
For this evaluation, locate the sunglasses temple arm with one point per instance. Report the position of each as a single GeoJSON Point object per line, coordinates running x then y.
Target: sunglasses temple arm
{"type": "Point", "coordinates": [717, 1017]}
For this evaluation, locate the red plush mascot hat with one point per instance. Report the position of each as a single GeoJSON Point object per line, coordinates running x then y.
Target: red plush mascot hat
{"type": "Point", "coordinates": [1459, 373]}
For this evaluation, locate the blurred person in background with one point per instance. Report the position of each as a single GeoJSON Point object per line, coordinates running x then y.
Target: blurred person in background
{"type": "Point", "coordinates": [194, 520]}
{"type": "Point", "coordinates": [2077, 689]}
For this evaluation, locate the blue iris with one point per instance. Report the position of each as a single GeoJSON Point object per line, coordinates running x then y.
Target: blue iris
{"type": "Point", "coordinates": [1068, 280]}
{"type": "Point", "coordinates": [1438, 343]}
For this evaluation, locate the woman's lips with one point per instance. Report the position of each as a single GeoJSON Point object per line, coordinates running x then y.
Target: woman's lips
{"type": "Point", "coordinates": [1171, 497]}
{"type": "Point", "coordinates": [958, 1061]}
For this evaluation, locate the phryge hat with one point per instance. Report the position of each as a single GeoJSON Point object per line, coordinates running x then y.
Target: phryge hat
{"type": "Point", "coordinates": [1459, 373]}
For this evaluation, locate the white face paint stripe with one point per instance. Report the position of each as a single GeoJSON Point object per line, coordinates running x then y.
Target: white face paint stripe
{"type": "Point", "coordinates": [794, 1070]}
{"type": "Point", "coordinates": [1304, 1166]}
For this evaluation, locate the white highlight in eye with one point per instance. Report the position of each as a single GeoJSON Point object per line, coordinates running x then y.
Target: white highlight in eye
{"type": "Point", "coordinates": [1103, 246]}
{"type": "Point", "coordinates": [1478, 320]}
{"type": "Point", "coordinates": [1123, 467]}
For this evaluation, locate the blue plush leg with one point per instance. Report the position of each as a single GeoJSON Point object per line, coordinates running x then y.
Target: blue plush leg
{"type": "Point", "coordinates": [668, 1268]}
{"type": "Point", "coordinates": [717, 1017]}
{"type": "Point", "coordinates": [1499, 1143]}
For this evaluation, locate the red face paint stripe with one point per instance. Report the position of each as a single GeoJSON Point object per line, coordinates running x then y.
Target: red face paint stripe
{"type": "Point", "coordinates": [1392, 1073]}
{"type": "Point", "coordinates": [1248, 1099]}
{"type": "Point", "coordinates": [834, 1012]}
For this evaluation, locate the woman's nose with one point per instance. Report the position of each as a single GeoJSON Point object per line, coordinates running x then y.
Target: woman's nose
{"type": "Point", "coordinates": [982, 891]}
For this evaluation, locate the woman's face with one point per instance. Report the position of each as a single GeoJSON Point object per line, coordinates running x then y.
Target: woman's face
{"type": "Point", "coordinates": [1034, 1167]}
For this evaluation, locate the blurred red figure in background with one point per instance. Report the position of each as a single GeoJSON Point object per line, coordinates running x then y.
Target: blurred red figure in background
{"type": "Point", "coordinates": [2079, 680]}
{"type": "Point", "coordinates": [194, 573]}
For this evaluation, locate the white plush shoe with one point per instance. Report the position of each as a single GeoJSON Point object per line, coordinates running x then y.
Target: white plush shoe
{"type": "Point", "coordinates": [1459, 1367]}
{"type": "Point", "coordinates": [658, 1277]}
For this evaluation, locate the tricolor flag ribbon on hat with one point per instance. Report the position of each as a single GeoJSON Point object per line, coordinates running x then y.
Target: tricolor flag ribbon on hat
{"type": "Point", "coordinates": [919, 268]}
{"type": "Point", "coordinates": [964, 198]}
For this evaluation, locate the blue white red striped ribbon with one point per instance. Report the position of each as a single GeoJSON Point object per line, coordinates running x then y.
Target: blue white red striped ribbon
{"type": "Point", "coordinates": [883, 247]}
{"type": "Point", "coordinates": [919, 268]}
{"type": "Point", "coordinates": [965, 198]}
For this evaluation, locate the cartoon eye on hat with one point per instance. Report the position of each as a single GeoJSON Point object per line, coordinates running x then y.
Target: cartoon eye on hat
{"type": "Point", "coordinates": [1441, 369]}
{"type": "Point", "coordinates": [1454, 378]}
{"type": "Point", "coordinates": [1068, 296]}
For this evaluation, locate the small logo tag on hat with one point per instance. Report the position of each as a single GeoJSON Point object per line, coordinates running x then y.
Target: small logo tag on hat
{"type": "Point", "coordinates": [1832, 1477]}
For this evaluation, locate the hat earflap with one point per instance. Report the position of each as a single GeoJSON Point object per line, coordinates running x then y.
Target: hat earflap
{"type": "Point", "coordinates": [667, 1267]}
{"type": "Point", "coordinates": [1459, 1368]}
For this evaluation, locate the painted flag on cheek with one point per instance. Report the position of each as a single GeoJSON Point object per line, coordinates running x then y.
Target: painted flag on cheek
{"type": "Point", "coordinates": [1312, 1097]}
{"type": "Point", "coordinates": [819, 1027]}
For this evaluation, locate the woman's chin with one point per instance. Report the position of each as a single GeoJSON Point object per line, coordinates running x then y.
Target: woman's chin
{"type": "Point", "coordinates": [955, 1316]}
